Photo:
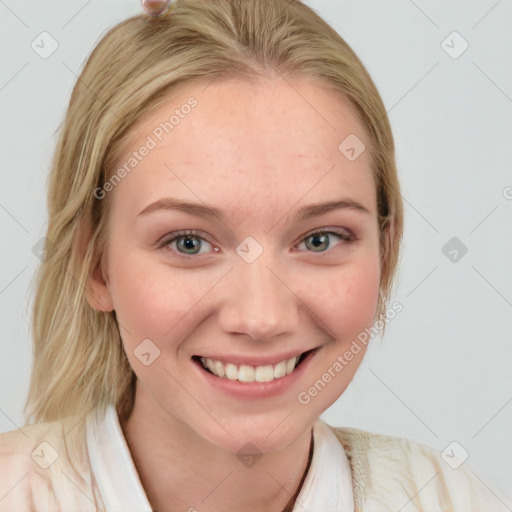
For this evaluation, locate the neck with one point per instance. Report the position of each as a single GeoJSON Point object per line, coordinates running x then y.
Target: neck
{"type": "Point", "coordinates": [181, 470]}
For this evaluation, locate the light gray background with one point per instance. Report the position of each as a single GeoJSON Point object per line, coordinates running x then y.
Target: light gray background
{"type": "Point", "coordinates": [442, 372]}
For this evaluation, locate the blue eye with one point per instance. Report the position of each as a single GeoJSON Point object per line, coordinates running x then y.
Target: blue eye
{"type": "Point", "coordinates": [320, 241]}
{"type": "Point", "coordinates": [190, 243]}
{"type": "Point", "coordinates": [186, 242]}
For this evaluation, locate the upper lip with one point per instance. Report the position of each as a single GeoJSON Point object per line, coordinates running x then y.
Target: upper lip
{"type": "Point", "coordinates": [256, 360]}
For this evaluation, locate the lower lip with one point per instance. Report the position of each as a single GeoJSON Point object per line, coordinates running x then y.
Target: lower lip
{"type": "Point", "coordinates": [239, 389]}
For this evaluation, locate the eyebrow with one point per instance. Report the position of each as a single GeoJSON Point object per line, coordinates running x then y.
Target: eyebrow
{"type": "Point", "coordinates": [207, 211]}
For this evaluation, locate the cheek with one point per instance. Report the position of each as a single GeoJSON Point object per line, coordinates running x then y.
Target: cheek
{"type": "Point", "coordinates": [347, 300]}
{"type": "Point", "coordinates": [151, 299]}
{"type": "Point", "coordinates": [346, 304]}
{"type": "Point", "coordinates": [361, 296]}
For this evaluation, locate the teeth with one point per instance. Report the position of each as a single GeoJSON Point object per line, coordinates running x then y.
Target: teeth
{"type": "Point", "coordinates": [210, 364]}
{"type": "Point", "coordinates": [290, 365]}
{"type": "Point", "coordinates": [280, 370]}
{"type": "Point", "coordinates": [264, 373]}
{"type": "Point", "coordinates": [246, 373]}
{"type": "Point", "coordinates": [231, 372]}
{"type": "Point", "coordinates": [219, 369]}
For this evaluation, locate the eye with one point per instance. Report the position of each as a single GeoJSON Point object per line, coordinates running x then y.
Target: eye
{"type": "Point", "coordinates": [187, 242]}
{"type": "Point", "coordinates": [191, 243]}
{"type": "Point", "coordinates": [321, 240]}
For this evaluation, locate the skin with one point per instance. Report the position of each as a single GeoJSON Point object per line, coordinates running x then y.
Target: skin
{"type": "Point", "coordinates": [258, 151]}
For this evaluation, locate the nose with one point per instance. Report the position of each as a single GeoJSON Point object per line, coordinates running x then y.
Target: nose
{"type": "Point", "coordinates": [259, 301]}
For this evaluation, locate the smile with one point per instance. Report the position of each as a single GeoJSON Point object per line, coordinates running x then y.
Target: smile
{"type": "Point", "coordinates": [248, 373]}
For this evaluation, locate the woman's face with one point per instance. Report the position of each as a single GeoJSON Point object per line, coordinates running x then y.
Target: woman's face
{"type": "Point", "coordinates": [212, 254]}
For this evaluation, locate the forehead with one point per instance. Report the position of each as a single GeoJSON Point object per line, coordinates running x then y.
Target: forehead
{"type": "Point", "coordinates": [233, 141]}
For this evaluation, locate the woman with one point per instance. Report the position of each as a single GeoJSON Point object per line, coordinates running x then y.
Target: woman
{"type": "Point", "coordinates": [226, 217]}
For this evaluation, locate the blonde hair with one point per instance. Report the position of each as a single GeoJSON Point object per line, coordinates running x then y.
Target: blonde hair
{"type": "Point", "coordinates": [79, 362]}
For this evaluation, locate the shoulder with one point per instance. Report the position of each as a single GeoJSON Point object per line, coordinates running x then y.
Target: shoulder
{"type": "Point", "coordinates": [38, 472]}
{"type": "Point", "coordinates": [400, 474]}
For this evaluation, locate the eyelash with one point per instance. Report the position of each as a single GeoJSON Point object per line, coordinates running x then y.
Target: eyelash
{"type": "Point", "coordinates": [346, 237]}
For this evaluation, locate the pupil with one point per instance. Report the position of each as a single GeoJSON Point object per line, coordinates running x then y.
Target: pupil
{"type": "Point", "coordinates": [189, 243]}
{"type": "Point", "coordinates": [320, 241]}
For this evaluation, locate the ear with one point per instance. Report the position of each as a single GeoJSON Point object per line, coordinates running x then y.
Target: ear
{"type": "Point", "coordinates": [97, 287]}
{"type": "Point", "coordinates": [98, 290]}
{"type": "Point", "coordinates": [387, 238]}
{"type": "Point", "coordinates": [385, 235]}
{"type": "Point", "coordinates": [388, 235]}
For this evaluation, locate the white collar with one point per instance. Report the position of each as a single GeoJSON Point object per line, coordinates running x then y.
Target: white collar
{"type": "Point", "coordinates": [327, 486]}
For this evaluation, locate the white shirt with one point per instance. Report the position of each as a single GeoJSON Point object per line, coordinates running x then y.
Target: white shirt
{"type": "Point", "coordinates": [49, 467]}
{"type": "Point", "coordinates": [327, 486]}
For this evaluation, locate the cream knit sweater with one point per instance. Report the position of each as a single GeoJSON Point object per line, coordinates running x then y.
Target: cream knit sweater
{"type": "Point", "coordinates": [395, 474]}
{"type": "Point", "coordinates": [388, 474]}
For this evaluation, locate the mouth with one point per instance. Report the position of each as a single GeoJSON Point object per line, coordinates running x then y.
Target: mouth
{"type": "Point", "coordinates": [248, 373]}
